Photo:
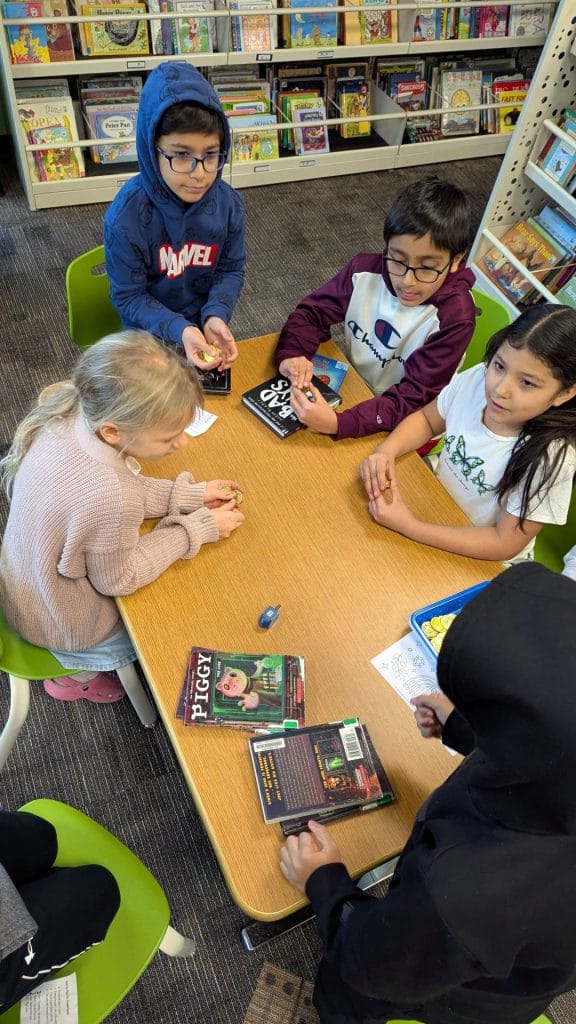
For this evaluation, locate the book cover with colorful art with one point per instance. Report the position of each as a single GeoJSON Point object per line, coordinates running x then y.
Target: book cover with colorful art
{"type": "Point", "coordinates": [537, 253]}
{"type": "Point", "coordinates": [193, 32]}
{"type": "Point", "coordinates": [51, 120]}
{"type": "Point", "coordinates": [60, 45]}
{"type": "Point", "coordinates": [28, 43]}
{"type": "Point", "coordinates": [378, 23]}
{"type": "Point", "coordinates": [246, 691]}
{"type": "Point", "coordinates": [319, 30]}
{"type": "Point", "coordinates": [106, 38]}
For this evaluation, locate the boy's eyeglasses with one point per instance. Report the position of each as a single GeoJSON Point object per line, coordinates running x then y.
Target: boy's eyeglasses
{"type": "Point", "coordinates": [425, 275]}
{"type": "Point", "coordinates": [182, 163]}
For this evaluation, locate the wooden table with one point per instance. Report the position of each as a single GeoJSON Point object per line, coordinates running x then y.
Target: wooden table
{"type": "Point", "coordinates": [347, 588]}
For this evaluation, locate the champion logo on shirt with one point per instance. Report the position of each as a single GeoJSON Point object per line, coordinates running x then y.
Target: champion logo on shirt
{"type": "Point", "coordinates": [385, 333]}
{"type": "Point", "coordinates": [192, 254]}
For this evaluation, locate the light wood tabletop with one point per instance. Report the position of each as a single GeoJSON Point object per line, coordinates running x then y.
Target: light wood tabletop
{"type": "Point", "coordinates": [347, 588]}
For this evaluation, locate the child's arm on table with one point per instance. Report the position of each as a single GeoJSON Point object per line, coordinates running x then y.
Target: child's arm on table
{"type": "Point", "coordinates": [309, 325]}
{"type": "Point", "coordinates": [495, 543]}
{"type": "Point", "coordinates": [378, 469]}
{"type": "Point", "coordinates": [183, 495]}
{"type": "Point", "coordinates": [137, 559]}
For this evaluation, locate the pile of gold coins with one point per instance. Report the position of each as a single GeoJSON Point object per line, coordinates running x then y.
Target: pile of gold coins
{"type": "Point", "coordinates": [436, 628]}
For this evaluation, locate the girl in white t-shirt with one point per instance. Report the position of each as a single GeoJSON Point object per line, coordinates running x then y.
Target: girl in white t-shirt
{"type": "Point", "coordinates": [509, 456]}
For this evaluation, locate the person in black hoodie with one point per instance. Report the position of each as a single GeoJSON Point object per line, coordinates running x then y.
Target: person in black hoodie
{"type": "Point", "coordinates": [479, 924]}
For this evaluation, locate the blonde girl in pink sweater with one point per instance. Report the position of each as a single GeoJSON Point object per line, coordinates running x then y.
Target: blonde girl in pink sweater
{"type": "Point", "coordinates": [78, 499]}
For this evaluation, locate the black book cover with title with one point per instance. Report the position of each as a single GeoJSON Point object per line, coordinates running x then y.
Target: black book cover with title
{"type": "Point", "coordinates": [271, 402]}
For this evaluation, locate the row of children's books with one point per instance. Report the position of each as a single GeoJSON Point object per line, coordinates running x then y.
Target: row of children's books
{"type": "Point", "coordinates": [546, 245]}
{"type": "Point", "coordinates": [324, 771]}
{"type": "Point", "coordinates": [558, 156]}
{"type": "Point", "coordinates": [192, 31]}
{"type": "Point", "coordinates": [106, 109]}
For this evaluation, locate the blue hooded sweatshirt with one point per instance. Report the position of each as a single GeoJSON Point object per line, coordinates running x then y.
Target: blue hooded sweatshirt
{"type": "Point", "coordinates": [171, 263]}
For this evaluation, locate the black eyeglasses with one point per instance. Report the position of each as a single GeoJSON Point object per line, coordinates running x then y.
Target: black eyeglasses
{"type": "Point", "coordinates": [183, 163]}
{"type": "Point", "coordinates": [425, 275]}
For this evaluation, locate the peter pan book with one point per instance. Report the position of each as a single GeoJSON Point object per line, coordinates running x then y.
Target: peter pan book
{"type": "Point", "coordinates": [270, 401]}
{"type": "Point", "coordinates": [323, 772]}
{"type": "Point", "coordinates": [244, 691]}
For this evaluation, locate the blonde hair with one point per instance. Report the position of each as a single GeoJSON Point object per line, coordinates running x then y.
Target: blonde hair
{"type": "Point", "coordinates": [129, 379]}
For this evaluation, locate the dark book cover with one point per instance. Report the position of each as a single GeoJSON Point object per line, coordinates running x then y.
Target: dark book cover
{"type": "Point", "coordinates": [244, 691]}
{"type": "Point", "coordinates": [271, 402]}
{"type": "Point", "coordinates": [215, 382]}
{"type": "Point", "coordinates": [293, 826]}
{"type": "Point", "coordinates": [320, 769]}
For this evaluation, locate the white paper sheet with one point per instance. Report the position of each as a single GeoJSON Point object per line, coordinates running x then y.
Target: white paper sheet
{"type": "Point", "coordinates": [54, 1002]}
{"type": "Point", "coordinates": [202, 422]}
{"type": "Point", "coordinates": [406, 666]}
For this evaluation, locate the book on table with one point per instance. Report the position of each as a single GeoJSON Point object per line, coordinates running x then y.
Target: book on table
{"type": "Point", "coordinates": [242, 691]}
{"type": "Point", "coordinates": [270, 401]}
{"type": "Point", "coordinates": [215, 382]}
{"type": "Point", "coordinates": [330, 371]}
{"type": "Point", "coordinates": [324, 772]}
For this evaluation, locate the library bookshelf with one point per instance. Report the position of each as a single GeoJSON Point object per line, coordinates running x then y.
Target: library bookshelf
{"type": "Point", "coordinates": [388, 120]}
{"type": "Point", "coordinates": [522, 188]}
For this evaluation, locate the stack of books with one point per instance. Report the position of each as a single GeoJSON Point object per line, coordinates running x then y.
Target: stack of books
{"type": "Point", "coordinates": [110, 108]}
{"type": "Point", "coordinates": [47, 114]}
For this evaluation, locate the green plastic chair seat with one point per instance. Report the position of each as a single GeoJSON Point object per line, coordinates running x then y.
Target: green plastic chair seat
{"type": "Point", "coordinates": [539, 1020]}
{"type": "Point", "coordinates": [91, 314]}
{"type": "Point", "coordinates": [23, 660]}
{"type": "Point", "coordinates": [107, 972]}
{"type": "Point", "coordinates": [491, 316]}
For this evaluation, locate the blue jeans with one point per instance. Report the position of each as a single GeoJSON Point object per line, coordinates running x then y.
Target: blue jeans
{"type": "Point", "coordinates": [114, 652]}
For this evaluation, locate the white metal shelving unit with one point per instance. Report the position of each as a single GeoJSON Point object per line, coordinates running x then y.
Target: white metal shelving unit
{"type": "Point", "coordinates": [388, 119]}
{"type": "Point", "coordinates": [522, 188]}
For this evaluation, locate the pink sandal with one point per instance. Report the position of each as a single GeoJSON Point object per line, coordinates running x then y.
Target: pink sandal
{"type": "Point", "coordinates": [104, 688]}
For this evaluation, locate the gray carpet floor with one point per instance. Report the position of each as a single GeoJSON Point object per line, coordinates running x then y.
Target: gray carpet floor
{"type": "Point", "coordinates": [98, 757]}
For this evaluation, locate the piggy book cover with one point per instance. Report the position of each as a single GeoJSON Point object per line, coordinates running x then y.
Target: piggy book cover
{"type": "Point", "coordinates": [244, 691]}
{"type": "Point", "coordinates": [321, 771]}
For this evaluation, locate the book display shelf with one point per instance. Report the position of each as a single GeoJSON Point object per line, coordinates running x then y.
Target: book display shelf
{"type": "Point", "coordinates": [523, 187]}
{"type": "Point", "coordinates": [385, 147]}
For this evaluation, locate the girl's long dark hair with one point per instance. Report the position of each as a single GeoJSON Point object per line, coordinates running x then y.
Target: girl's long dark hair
{"type": "Point", "coordinates": [548, 332]}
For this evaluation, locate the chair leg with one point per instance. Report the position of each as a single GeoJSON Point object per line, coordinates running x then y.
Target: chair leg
{"type": "Point", "coordinates": [175, 944]}
{"type": "Point", "coordinates": [19, 704]}
{"type": "Point", "coordinates": [142, 706]}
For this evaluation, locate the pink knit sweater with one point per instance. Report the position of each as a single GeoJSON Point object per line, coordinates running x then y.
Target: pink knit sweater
{"type": "Point", "coordinates": [72, 541]}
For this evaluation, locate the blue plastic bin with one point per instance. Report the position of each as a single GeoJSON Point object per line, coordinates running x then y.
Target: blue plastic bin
{"type": "Point", "coordinates": [449, 605]}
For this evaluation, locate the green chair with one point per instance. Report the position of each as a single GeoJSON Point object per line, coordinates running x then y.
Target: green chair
{"type": "Point", "coordinates": [91, 314]}
{"type": "Point", "coordinates": [539, 1020]}
{"type": "Point", "coordinates": [24, 662]}
{"type": "Point", "coordinates": [553, 542]}
{"type": "Point", "coordinates": [106, 972]}
{"type": "Point", "coordinates": [491, 316]}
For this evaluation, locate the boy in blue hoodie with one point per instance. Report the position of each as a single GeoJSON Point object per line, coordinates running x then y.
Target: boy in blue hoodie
{"type": "Point", "coordinates": [174, 234]}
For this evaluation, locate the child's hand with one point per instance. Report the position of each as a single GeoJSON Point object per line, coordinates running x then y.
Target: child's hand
{"type": "Point", "coordinates": [299, 371]}
{"type": "Point", "coordinates": [219, 335]}
{"type": "Point", "coordinates": [315, 413]}
{"type": "Point", "coordinates": [228, 519]}
{"type": "Point", "coordinates": [301, 855]}
{"type": "Point", "coordinates": [221, 492]}
{"type": "Point", "coordinates": [389, 510]}
{"type": "Point", "coordinates": [431, 710]}
{"type": "Point", "coordinates": [194, 343]}
{"type": "Point", "coordinates": [377, 471]}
